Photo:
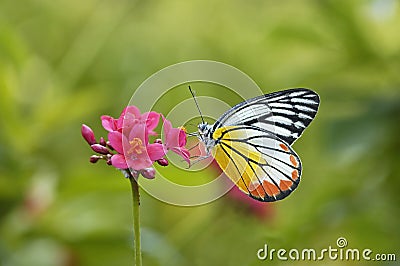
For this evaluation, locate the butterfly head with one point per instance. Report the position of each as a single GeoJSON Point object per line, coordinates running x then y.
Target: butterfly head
{"type": "Point", "coordinates": [202, 127]}
{"type": "Point", "coordinates": [205, 134]}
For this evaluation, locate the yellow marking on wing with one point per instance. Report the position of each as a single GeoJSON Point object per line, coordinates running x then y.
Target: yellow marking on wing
{"type": "Point", "coordinates": [242, 147]}
{"type": "Point", "coordinates": [236, 134]}
{"type": "Point", "coordinates": [235, 166]}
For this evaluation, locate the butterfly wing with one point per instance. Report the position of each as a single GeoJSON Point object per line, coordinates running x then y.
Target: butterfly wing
{"type": "Point", "coordinates": [284, 113]}
{"type": "Point", "coordinates": [258, 162]}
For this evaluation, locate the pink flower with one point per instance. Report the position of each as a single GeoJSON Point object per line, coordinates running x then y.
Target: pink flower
{"type": "Point", "coordinates": [128, 135]}
{"type": "Point", "coordinates": [129, 117]}
{"type": "Point", "coordinates": [128, 144]}
{"type": "Point", "coordinates": [134, 150]}
{"type": "Point", "coordinates": [175, 140]}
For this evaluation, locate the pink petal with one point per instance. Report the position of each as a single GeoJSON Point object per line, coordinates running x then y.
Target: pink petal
{"type": "Point", "coordinates": [182, 138]}
{"type": "Point", "coordinates": [129, 116]}
{"type": "Point", "coordinates": [173, 138]}
{"type": "Point", "coordinates": [118, 161]}
{"type": "Point", "coordinates": [130, 110]}
{"type": "Point", "coordinates": [186, 156]}
{"type": "Point", "coordinates": [184, 153]}
{"type": "Point", "coordinates": [115, 139]}
{"type": "Point", "coordinates": [167, 126]}
{"type": "Point", "coordinates": [139, 131]}
{"type": "Point", "coordinates": [108, 123]}
{"type": "Point", "coordinates": [140, 163]}
{"type": "Point", "coordinates": [155, 151]}
{"type": "Point", "coordinates": [152, 119]}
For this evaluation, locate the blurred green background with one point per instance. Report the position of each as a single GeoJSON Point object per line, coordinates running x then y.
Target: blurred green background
{"type": "Point", "coordinates": [64, 63]}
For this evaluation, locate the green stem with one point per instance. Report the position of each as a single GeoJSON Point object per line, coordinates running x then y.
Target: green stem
{"type": "Point", "coordinates": [136, 220]}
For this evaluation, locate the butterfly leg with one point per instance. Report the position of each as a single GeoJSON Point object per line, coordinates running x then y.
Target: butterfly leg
{"type": "Point", "coordinates": [194, 146]}
{"type": "Point", "coordinates": [198, 159]}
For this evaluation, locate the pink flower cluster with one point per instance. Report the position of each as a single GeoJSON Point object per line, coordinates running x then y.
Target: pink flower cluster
{"type": "Point", "coordinates": [128, 145]}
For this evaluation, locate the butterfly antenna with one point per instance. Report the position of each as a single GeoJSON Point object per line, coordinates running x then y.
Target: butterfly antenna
{"type": "Point", "coordinates": [198, 108]}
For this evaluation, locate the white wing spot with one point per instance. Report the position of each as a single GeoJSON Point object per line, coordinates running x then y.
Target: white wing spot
{"type": "Point", "coordinates": [297, 93]}
{"type": "Point", "coordinates": [309, 95]}
{"type": "Point", "coordinates": [280, 105]}
{"type": "Point", "coordinates": [299, 124]}
{"type": "Point", "coordinates": [305, 108]}
{"type": "Point", "coordinates": [302, 100]}
{"type": "Point", "coordinates": [283, 111]}
{"type": "Point", "coordinates": [282, 131]}
{"type": "Point", "coordinates": [280, 119]}
{"type": "Point", "coordinates": [304, 116]}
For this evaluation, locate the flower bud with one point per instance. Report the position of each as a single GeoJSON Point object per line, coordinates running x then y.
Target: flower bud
{"type": "Point", "coordinates": [99, 149]}
{"type": "Point", "coordinates": [102, 142]}
{"type": "Point", "coordinates": [88, 134]}
{"type": "Point", "coordinates": [108, 143]}
{"type": "Point", "coordinates": [149, 173]}
{"type": "Point", "coordinates": [163, 162]}
{"type": "Point", "coordinates": [94, 158]}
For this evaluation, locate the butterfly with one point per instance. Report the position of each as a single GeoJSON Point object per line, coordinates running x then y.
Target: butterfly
{"type": "Point", "coordinates": [251, 142]}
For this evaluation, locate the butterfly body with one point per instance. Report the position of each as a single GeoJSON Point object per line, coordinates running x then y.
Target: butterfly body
{"type": "Point", "coordinates": [252, 141]}
{"type": "Point", "coordinates": [205, 135]}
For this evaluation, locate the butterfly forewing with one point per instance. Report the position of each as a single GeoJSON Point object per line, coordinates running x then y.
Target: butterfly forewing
{"type": "Point", "coordinates": [284, 113]}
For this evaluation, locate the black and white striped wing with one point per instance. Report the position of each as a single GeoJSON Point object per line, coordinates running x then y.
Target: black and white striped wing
{"type": "Point", "coordinates": [284, 113]}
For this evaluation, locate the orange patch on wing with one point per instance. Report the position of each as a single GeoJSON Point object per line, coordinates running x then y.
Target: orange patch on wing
{"type": "Point", "coordinates": [258, 192]}
{"type": "Point", "coordinates": [270, 188]}
{"type": "Point", "coordinates": [284, 147]}
{"type": "Point", "coordinates": [254, 193]}
{"type": "Point", "coordinates": [293, 161]}
{"type": "Point", "coordinates": [295, 174]}
{"type": "Point", "coordinates": [285, 184]}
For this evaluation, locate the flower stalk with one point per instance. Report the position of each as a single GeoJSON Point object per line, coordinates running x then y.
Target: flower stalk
{"type": "Point", "coordinates": [136, 219]}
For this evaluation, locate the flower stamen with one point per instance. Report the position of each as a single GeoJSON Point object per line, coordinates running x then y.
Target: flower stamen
{"type": "Point", "coordinates": [183, 128]}
{"type": "Point", "coordinates": [136, 146]}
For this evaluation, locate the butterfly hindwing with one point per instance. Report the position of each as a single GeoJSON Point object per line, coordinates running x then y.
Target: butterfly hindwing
{"type": "Point", "coordinates": [258, 162]}
{"type": "Point", "coordinates": [284, 113]}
